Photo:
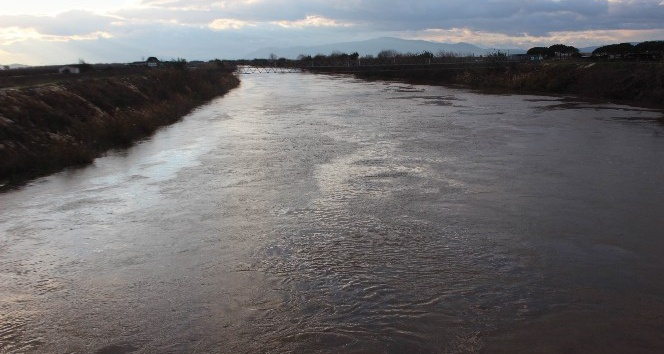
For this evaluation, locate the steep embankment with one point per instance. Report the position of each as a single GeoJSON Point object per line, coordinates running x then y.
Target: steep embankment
{"type": "Point", "coordinates": [45, 128]}
{"type": "Point", "coordinates": [639, 83]}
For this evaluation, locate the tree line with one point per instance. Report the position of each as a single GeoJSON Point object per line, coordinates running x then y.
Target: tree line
{"type": "Point", "coordinates": [555, 51]}
{"type": "Point", "coordinates": [383, 54]}
{"type": "Point", "coordinates": [649, 49]}
{"type": "Point", "coordinates": [644, 50]}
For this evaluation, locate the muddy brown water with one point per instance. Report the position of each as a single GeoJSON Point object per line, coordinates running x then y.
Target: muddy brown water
{"type": "Point", "coordinates": [321, 214]}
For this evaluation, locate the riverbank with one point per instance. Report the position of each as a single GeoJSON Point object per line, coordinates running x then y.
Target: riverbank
{"type": "Point", "coordinates": [45, 128]}
{"type": "Point", "coordinates": [638, 83]}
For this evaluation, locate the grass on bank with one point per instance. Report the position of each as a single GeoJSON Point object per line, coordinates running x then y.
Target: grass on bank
{"type": "Point", "coordinates": [47, 127]}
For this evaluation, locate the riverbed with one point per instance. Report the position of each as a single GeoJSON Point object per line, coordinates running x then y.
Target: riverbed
{"type": "Point", "coordinates": [305, 213]}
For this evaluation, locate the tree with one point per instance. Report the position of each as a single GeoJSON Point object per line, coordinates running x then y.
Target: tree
{"type": "Point", "coordinates": [425, 54]}
{"type": "Point", "coordinates": [179, 63]}
{"type": "Point", "coordinates": [446, 54]}
{"type": "Point", "coordinates": [542, 51]}
{"type": "Point", "coordinates": [650, 47]}
{"type": "Point", "coordinates": [83, 66]}
{"type": "Point", "coordinates": [337, 55]}
{"type": "Point", "coordinates": [320, 57]}
{"type": "Point", "coordinates": [388, 53]}
{"type": "Point", "coordinates": [614, 49]}
{"type": "Point", "coordinates": [496, 56]}
{"type": "Point", "coordinates": [563, 51]}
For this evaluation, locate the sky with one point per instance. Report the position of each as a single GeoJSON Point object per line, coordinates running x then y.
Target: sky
{"type": "Point", "coordinates": [46, 32]}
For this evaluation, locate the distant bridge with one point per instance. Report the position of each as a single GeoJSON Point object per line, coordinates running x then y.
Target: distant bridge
{"type": "Point", "coordinates": [259, 66]}
{"type": "Point", "coordinates": [259, 69]}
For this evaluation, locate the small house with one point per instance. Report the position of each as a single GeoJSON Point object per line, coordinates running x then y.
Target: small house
{"type": "Point", "coordinates": [152, 62]}
{"type": "Point", "coordinates": [69, 70]}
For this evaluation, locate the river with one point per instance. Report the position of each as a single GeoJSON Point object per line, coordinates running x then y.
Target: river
{"type": "Point", "coordinates": [323, 214]}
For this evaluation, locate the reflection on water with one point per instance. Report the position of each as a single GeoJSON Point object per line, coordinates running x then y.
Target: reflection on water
{"type": "Point", "coordinates": [306, 213]}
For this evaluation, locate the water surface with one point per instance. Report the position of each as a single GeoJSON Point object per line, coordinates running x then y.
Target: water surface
{"type": "Point", "coordinates": [305, 213]}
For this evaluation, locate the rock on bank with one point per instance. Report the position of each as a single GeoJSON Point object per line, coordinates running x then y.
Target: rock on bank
{"type": "Point", "coordinates": [47, 127]}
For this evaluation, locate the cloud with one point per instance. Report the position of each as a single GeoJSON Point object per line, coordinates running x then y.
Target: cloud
{"type": "Point", "coordinates": [221, 24]}
{"type": "Point", "coordinates": [72, 24]}
{"type": "Point", "coordinates": [10, 35]}
{"type": "Point", "coordinates": [233, 28]}
{"type": "Point", "coordinates": [313, 21]}
{"type": "Point", "coordinates": [190, 17]}
{"type": "Point", "coordinates": [501, 40]}
{"type": "Point", "coordinates": [506, 16]}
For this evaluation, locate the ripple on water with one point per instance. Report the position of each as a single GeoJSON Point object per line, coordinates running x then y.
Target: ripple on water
{"type": "Point", "coordinates": [14, 336]}
{"type": "Point", "coordinates": [358, 283]}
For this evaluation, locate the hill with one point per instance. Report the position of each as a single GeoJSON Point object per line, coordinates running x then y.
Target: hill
{"type": "Point", "coordinates": [13, 66]}
{"type": "Point", "coordinates": [374, 46]}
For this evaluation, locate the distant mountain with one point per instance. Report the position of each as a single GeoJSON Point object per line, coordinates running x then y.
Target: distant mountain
{"type": "Point", "coordinates": [374, 46]}
{"type": "Point", "coordinates": [16, 66]}
{"type": "Point", "coordinates": [588, 49]}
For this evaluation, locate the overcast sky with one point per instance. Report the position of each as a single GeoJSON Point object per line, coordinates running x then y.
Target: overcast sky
{"type": "Point", "coordinates": [39, 32]}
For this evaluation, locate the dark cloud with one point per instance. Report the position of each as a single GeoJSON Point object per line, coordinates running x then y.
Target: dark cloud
{"type": "Point", "coordinates": [501, 16]}
{"type": "Point", "coordinates": [504, 16]}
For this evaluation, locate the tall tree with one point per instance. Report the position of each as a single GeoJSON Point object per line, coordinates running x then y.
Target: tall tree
{"type": "Point", "coordinates": [614, 49]}
{"type": "Point", "coordinates": [563, 51]}
{"type": "Point", "coordinates": [543, 51]}
{"type": "Point", "coordinates": [388, 53]}
{"type": "Point", "coordinates": [650, 47]}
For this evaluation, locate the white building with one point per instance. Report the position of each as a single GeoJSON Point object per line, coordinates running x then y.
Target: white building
{"type": "Point", "coordinates": [69, 70]}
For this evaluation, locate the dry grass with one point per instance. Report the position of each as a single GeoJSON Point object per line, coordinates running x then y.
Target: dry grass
{"type": "Point", "coordinates": [50, 126]}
